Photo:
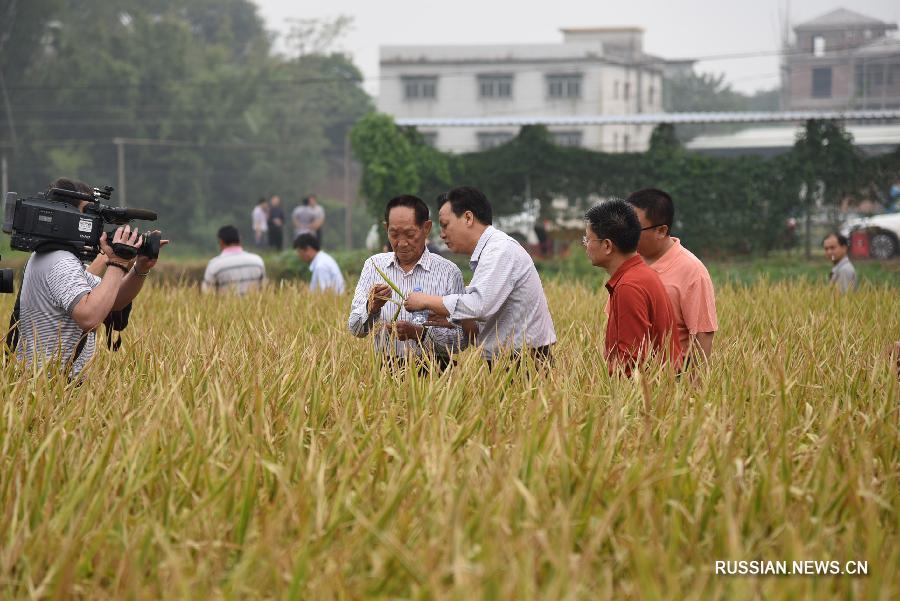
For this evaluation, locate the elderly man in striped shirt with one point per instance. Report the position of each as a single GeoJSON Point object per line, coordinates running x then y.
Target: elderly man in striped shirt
{"type": "Point", "coordinates": [411, 267]}
{"type": "Point", "coordinates": [505, 294]}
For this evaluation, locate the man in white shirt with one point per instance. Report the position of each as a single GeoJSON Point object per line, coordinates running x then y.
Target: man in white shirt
{"type": "Point", "coordinates": [843, 274]}
{"type": "Point", "coordinates": [260, 217]}
{"type": "Point", "coordinates": [326, 275]}
{"type": "Point", "coordinates": [505, 294]}
{"type": "Point", "coordinates": [234, 270]}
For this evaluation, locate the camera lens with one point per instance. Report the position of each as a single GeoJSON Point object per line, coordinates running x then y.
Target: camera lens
{"type": "Point", "coordinates": [6, 281]}
{"type": "Point", "coordinates": [150, 248]}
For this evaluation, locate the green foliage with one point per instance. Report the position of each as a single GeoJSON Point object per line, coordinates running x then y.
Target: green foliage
{"type": "Point", "coordinates": [724, 205]}
{"type": "Point", "coordinates": [250, 122]}
{"type": "Point", "coordinates": [390, 162]}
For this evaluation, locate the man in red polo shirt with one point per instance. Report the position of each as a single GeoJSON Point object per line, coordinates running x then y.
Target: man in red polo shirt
{"type": "Point", "coordinates": [641, 321]}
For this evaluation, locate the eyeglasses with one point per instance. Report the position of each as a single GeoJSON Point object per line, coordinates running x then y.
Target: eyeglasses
{"type": "Point", "coordinates": [650, 227]}
{"type": "Point", "coordinates": [585, 240]}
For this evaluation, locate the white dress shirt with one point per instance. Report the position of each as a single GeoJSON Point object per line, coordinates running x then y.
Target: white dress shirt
{"type": "Point", "coordinates": [505, 295]}
{"type": "Point", "coordinates": [326, 275]}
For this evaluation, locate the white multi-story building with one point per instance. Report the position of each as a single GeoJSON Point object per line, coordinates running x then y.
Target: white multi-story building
{"type": "Point", "coordinates": [596, 71]}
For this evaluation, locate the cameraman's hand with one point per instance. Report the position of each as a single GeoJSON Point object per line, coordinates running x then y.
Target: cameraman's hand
{"type": "Point", "coordinates": [123, 235]}
{"type": "Point", "coordinates": [145, 264]}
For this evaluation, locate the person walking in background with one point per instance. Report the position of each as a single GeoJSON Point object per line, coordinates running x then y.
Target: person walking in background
{"type": "Point", "coordinates": [685, 278]}
{"type": "Point", "coordinates": [505, 295]}
{"type": "Point", "coordinates": [843, 274]}
{"type": "Point", "coordinates": [260, 218]}
{"type": "Point", "coordinates": [309, 218]}
{"type": "Point", "coordinates": [276, 223]}
{"type": "Point", "coordinates": [641, 323]}
{"type": "Point", "coordinates": [326, 275]}
{"type": "Point", "coordinates": [234, 270]}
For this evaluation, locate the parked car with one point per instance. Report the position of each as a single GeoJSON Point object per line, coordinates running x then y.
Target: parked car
{"type": "Point", "coordinates": [884, 233]}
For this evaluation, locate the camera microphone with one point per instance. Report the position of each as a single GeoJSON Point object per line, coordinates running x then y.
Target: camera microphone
{"type": "Point", "coordinates": [142, 214]}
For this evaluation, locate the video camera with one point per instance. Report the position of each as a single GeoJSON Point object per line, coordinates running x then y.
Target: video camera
{"type": "Point", "coordinates": [51, 221]}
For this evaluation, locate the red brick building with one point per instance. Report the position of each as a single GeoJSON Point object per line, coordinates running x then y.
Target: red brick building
{"type": "Point", "coordinates": [842, 60]}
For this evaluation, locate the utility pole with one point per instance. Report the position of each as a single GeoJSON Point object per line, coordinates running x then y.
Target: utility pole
{"type": "Point", "coordinates": [348, 198]}
{"type": "Point", "coordinates": [5, 176]}
{"type": "Point", "coordinates": [120, 163]}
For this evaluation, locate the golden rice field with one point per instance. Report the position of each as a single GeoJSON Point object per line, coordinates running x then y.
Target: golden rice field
{"type": "Point", "coordinates": [251, 448]}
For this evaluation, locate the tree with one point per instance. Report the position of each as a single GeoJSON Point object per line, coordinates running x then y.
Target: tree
{"type": "Point", "coordinates": [829, 165]}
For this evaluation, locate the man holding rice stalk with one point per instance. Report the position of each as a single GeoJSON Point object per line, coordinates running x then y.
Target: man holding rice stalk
{"type": "Point", "coordinates": [388, 278]}
{"type": "Point", "coordinates": [505, 294]}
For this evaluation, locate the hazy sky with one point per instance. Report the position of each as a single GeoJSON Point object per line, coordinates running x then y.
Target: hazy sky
{"type": "Point", "coordinates": [673, 29]}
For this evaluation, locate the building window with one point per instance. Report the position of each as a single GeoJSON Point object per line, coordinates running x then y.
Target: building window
{"type": "Point", "coordinates": [420, 88]}
{"type": "Point", "coordinates": [564, 86]}
{"type": "Point", "coordinates": [616, 90]}
{"type": "Point", "coordinates": [651, 95]}
{"type": "Point", "coordinates": [567, 138]}
{"type": "Point", "coordinates": [430, 138]}
{"type": "Point", "coordinates": [495, 86]}
{"type": "Point", "coordinates": [627, 90]}
{"type": "Point", "coordinates": [615, 147]}
{"type": "Point", "coordinates": [625, 140]}
{"type": "Point", "coordinates": [821, 82]}
{"type": "Point", "coordinates": [818, 46]}
{"type": "Point", "coordinates": [492, 139]}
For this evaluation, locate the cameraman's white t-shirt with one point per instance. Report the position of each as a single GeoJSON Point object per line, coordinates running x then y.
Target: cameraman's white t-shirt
{"type": "Point", "coordinates": [54, 283]}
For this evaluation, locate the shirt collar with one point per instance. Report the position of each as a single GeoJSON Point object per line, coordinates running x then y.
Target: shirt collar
{"type": "Point", "coordinates": [623, 268]}
{"type": "Point", "coordinates": [840, 263]}
{"type": "Point", "coordinates": [479, 248]}
{"type": "Point", "coordinates": [425, 261]}
{"type": "Point", "coordinates": [232, 250]}
{"type": "Point", "coordinates": [668, 258]}
{"type": "Point", "coordinates": [315, 262]}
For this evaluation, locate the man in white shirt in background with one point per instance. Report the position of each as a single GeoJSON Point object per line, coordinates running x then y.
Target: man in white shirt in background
{"type": "Point", "coordinates": [260, 217]}
{"type": "Point", "coordinates": [234, 270]}
{"type": "Point", "coordinates": [505, 295]}
{"type": "Point", "coordinates": [326, 275]}
{"type": "Point", "coordinates": [843, 274]}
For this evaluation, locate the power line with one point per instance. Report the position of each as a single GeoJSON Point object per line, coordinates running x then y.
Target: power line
{"type": "Point", "coordinates": [358, 81]}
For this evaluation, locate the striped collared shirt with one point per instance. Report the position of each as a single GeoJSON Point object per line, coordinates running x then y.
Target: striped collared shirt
{"type": "Point", "coordinates": [234, 270]}
{"type": "Point", "coordinates": [434, 274]}
{"type": "Point", "coordinates": [505, 295]}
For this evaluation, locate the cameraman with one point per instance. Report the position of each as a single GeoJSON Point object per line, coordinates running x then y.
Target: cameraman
{"type": "Point", "coordinates": [62, 303]}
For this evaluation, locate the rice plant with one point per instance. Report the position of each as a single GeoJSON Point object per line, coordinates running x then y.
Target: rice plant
{"type": "Point", "coordinates": [250, 447]}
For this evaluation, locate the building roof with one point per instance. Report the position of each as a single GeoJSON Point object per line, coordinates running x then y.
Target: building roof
{"type": "Point", "coordinates": [784, 137]}
{"type": "Point", "coordinates": [580, 51]}
{"type": "Point", "coordinates": [652, 118]}
{"type": "Point", "coordinates": [623, 29]}
{"type": "Point", "coordinates": [841, 18]}
{"type": "Point", "coordinates": [881, 47]}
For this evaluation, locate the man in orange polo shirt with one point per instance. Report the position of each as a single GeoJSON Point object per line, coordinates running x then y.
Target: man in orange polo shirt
{"type": "Point", "coordinates": [685, 278]}
{"type": "Point", "coordinates": [641, 322]}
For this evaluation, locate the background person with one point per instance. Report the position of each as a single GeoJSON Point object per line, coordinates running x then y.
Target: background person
{"type": "Point", "coordinates": [234, 269]}
{"type": "Point", "coordinates": [309, 218]}
{"type": "Point", "coordinates": [843, 274]}
{"type": "Point", "coordinates": [326, 275]}
{"type": "Point", "coordinates": [276, 224]}
{"type": "Point", "coordinates": [260, 216]}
